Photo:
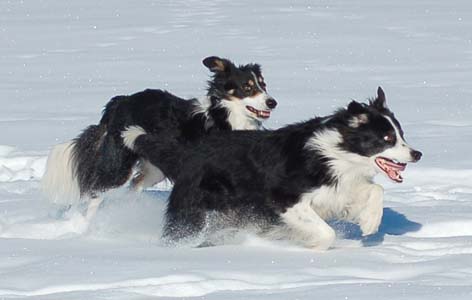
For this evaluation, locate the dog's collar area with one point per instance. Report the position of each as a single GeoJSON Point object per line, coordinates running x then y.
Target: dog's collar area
{"type": "Point", "coordinates": [391, 168]}
{"type": "Point", "coordinates": [263, 114]}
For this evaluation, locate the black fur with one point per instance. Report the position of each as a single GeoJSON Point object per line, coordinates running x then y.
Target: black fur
{"type": "Point", "coordinates": [101, 161]}
{"type": "Point", "coordinates": [260, 173]}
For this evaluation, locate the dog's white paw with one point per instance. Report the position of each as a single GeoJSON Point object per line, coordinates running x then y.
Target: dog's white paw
{"type": "Point", "coordinates": [324, 240]}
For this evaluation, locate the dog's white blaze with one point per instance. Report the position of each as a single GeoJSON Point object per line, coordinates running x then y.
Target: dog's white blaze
{"type": "Point", "coordinates": [401, 151]}
{"type": "Point", "coordinates": [130, 135]}
{"type": "Point", "coordinates": [258, 102]}
{"type": "Point", "coordinates": [257, 82]}
{"type": "Point", "coordinates": [239, 117]}
{"type": "Point", "coordinates": [59, 183]}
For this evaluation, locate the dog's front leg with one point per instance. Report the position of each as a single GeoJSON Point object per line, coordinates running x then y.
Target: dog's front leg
{"type": "Point", "coordinates": [369, 208]}
{"type": "Point", "coordinates": [307, 227]}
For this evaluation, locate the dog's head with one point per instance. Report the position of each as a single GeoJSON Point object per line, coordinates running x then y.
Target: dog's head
{"type": "Point", "coordinates": [239, 88]}
{"type": "Point", "coordinates": [373, 132]}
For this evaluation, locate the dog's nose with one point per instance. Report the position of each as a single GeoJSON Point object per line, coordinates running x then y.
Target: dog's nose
{"type": "Point", "coordinates": [271, 103]}
{"type": "Point", "coordinates": [416, 155]}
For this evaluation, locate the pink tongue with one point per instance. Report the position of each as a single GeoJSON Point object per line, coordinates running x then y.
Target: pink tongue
{"type": "Point", "coordinates": [395, 166]}
{"type": "Point", "coordinates": [394, 175]}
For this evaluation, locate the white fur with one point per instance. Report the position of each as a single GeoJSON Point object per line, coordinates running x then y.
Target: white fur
{"type": "Point", "coordinates": [59, 183]}
{"type": "Point", "coordinates": [343, 164]}
{"type": "Point", "coordinates": [401, 151]}
{"type": "Point", "coordinates": [92, 208]}
{"type": "Point", "coordinates": [151, 175]}
{"type": "Point", "coordinates": [306, 226]}
{"type": "Point", "coordinates": [203, 107]}
{"type": "Point", "coordinates": [355, 198]}
{"type": "Point", "coordinates": [239, 117]}
{"type": "Point", "coordinates": [358, 120]}
{"type": "Point", "coordinates": [130, 134]}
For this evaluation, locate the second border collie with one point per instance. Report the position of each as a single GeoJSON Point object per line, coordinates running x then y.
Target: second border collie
{"type": "Point", "coordinates": [97, 160]}
{"type": "Point", "coordinates": [295, 178]}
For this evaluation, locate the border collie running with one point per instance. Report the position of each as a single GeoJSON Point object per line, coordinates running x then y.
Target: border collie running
{"type": "Point", "coordinates": [97, 160]}
{"type": "Point", "coordinates": [295, 178]}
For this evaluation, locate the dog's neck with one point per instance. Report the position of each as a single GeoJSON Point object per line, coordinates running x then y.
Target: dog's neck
{"type": "Point", "coordinates": [345, 166]}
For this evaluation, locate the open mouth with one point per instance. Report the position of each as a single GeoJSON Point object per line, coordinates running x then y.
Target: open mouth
{"type": "Point", "coordinates": [263, 114]}
{"type": "Point", "coordinates": [390, 167]}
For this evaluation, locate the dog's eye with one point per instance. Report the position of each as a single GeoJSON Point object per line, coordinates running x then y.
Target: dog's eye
{"type": "Point", "coordinates": [389, 138]}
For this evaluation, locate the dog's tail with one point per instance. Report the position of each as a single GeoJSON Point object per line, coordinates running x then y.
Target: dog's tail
{"type": "Point", "coordinates": [70, 169]}
{"type": "Point", "coordinates": [92, 163]}
{"type": "Point", "coordinates": [130, 135]}
{"type": "Point", "coordinates": [59, 183]}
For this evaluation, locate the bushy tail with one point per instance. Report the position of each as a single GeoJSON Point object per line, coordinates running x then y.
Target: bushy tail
{"type": "Point", "coordinates": [59, 183]}
{"type": "Point", "coordinates": [71, 167]}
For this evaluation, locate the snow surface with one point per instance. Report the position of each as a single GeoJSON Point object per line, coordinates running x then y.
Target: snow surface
{"type": "Point", "coordinates": [62, 60]}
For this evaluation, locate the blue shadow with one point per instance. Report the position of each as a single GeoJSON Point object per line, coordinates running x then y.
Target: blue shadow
{"type": "Point", "coordinates": [393, 223]}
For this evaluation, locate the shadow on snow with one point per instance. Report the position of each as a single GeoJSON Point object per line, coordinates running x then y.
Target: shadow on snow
{"type": "Point", "coordinates": [393, 223]}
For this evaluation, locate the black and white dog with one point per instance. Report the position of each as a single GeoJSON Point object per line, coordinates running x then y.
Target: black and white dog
{"type": "Point", "coordinates": [97, 160]}
{"type": "Point", "coordinates": [295, 178]}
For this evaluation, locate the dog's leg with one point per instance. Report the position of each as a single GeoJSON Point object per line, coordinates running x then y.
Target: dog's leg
{"type": "Point", "coordinates": [308, 227]}
{"type": "Point", "coordinates": [368, 210]}
{"type": "Point", "coordinates": [148, 175]}
{"type": "Point", "coordinates": [92, 208]}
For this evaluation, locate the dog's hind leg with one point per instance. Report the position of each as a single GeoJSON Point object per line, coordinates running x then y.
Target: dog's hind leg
{"type": "Point", "coordinates": [92, 208]}
{"type": "Point", "coordinates": [185, 214]}
{"type": "Point", "coordinates": [147, 176]}
{"type": "Point", "coordinates": [306, 226]}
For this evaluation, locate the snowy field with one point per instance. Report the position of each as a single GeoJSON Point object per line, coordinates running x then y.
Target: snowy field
{"type": "Point", "coordinates": [62, 60]}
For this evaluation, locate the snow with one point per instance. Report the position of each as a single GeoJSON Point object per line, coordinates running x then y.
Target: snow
{"type": "Point", "coordinates": [62, 61]}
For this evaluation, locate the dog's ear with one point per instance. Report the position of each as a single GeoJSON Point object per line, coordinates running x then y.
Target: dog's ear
{"type": "Point", "coordinates": [355, 108]}
{"type": "Point", "coordinates": [359, 114]}
{"type": "Point", "coordinates": [380, 101]}
{"type": "Point", "coordinates": [216, 64]}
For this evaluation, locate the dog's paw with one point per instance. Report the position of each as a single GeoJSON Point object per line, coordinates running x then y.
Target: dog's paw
{"type": "Point", "coordinates": [323, 240]}
{"type": "Point", "coordinates": [371, 225]}
{"type": "Point", "coordinates": [370, 220]}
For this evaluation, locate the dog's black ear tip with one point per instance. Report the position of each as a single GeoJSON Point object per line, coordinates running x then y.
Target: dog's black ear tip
{"type": "Point", "coordinates": [380, 92]}
{"type": "Point", "coordinates": [380, 102]}
{"type": "Point", "coordinates": [207, 61]}
{"type": "Point", "coordinates": [355, 107]}
{"type": "Point", "coordinates": [215, 63]}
